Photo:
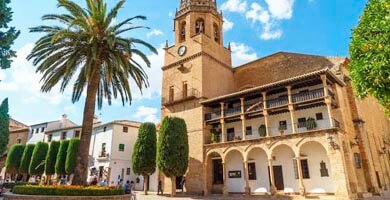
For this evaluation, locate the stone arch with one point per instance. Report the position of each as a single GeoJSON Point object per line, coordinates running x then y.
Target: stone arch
{"type": "Point", "coordinates": [235, 177]}
{"type": "Point", "coordinates": [305, 141]}
{"type": "Point", "coordinates": [214, 178]}
{"type": "Point", "coordinates": [283, 162]}
{"type": "Point", "coordinates": [200, 26]}
{"type": "Point", "coordinates": [252, 147]}
{"type": "Point", "coordinates": [315, 155]}
{"type": "Point", "coordinates": [230, 149]}
{"type": "Point", "coordinates": [257, 160]}
{"type": "Point", "coordinates": [283, 143]}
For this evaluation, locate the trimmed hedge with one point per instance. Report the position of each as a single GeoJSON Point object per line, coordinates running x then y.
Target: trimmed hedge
{"type": "Point", "coordinates": [12, 163]}
{"type": "Point", "coordinates": [71, 156]}
{"type": "Point", "coordinates": [26, 158]}
{"type": "Point", "coordinates": [37, 165]}
{"type": "Point", "coordinates": [51, 158]}
{"type": "Point", "coordinates": [11, 185]}
{"type": "Point", "coordinates": [67, 191]}
{"type": "Point", "coordinates": [61, 158]}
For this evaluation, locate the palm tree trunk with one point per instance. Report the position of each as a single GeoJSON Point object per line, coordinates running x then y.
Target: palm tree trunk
{"type": "Point", "coordinates": [81, 171]}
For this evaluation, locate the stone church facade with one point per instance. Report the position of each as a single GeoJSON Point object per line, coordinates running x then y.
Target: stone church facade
{"type": "Point", "coordinates": [286, 123]}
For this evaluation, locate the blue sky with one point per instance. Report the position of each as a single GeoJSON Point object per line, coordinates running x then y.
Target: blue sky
{"type": "Point", "coordinates": [255, 28]}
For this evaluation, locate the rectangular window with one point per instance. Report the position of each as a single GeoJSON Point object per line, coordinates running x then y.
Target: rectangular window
{"type": "Point", "coordinates": [37, 130]}
{"type": "Point", "coordinates": [252, 171]}
{"type": "Point", "coordinates": [319, 116]}
{"type": "Point", "coordinates": [128, 171]}
{"type": "Point", "coordinates": [43, 129]}
{"type": "Point", "coordinates": [121, 147]}
{"type": "Point", "coordinates": [283, 125]}
{"type": "Point", "coordinates": [19, 141]}
{"type": "Point", "coordinates": [185, 89]}
{"type": "Point", "coordinates": [358, 161]}
{"type": "Point", "coordinates": [104, 147]}
{"type": "Point", "coordinates": [63, 136]}
{"type": "Point", "coordinates": [302, 122]}
{"type": "Point", "coordinates": [305, 169]}
{"type": "Point", "coordinates": [104, 129]}
{"type": "Point", "coordinates": [249, 130]}
{"type": "Point", "coordinates": [49, 137]}
{"type": "Point", "coordinates": [217, 172]}
{"type": "Point", "coordinates": [171, 94]}
{"type": "Point", "coordinates": [324, 171]}
{"type": "Point", "coordinates": [230, 134]}
{"type": "Point", "coordinates": [125, 129]}
{"type": "Point", "coordinates": [77, 134]}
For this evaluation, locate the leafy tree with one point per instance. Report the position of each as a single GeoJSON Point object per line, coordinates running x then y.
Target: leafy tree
{"type": "Point", "coordinates": [26, 158]}
{"type": "Point", "coordinates": [12, 163]}
{"type": "Point", "coordinates": [144, 155]}
{"type": "Point", "coordinates": [7, 35]}
{"type": "Point", "coordinates": [71, 156]}
{"type": "Point", "coordinates": [172, 149]}
{"type": "Point", "coordinates": [51, 158]}
{"type": "Point", "coordinates": [87, 45]}
{"type": "Point", "coordinates": [370, 53]}
{"type": "Point", "coordinates": [4, 125]}
{"type": "Point", "coordinates": [37, 164]}
{"type": "Point", "coordinates": [61, 157]}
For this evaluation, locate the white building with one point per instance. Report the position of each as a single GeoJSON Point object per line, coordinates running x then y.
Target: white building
{"type": "Point", "coordinates": [110, 151]}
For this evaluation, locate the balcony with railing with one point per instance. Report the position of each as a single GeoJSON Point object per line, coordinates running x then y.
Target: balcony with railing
{"type": "Point", "coordinates": [103, 155]}
{"type": "Point", "coordinates": [213, 115]}
{"type": "Point", "coordinates": [278, 102]}
{"type": "Point", "coordinates": [232, 111]}
{"type": "Point", "coordinates": [178, 97]}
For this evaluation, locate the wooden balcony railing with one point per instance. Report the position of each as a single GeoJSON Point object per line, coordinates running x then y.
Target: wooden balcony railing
{"type": "Point", "coordinates": [180, 96]}
{"type": "Point", "coordinates": [232, 111]}
{"type": "Point", "coordinates": [214, 115]}
{"type": "Point", "coordinates": [281, 101]}
{"type": "Point", "coordinates": [305, 96]}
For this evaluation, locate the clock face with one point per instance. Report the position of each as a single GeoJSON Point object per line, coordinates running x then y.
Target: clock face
{"type": "Point", "coordinates": [182, 50]}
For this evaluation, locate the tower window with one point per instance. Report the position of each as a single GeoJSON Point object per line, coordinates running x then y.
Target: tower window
{"type": "Point", "coordinates": [216, 33]}
{"type": "Point", "coordinates": [199, 28]}
{"type": "Point", "coordinates": [185, 89]}
{"type": "Point", "coordinates": [171, 94]}
{"type": "Point", "coordinates": [183, 32]}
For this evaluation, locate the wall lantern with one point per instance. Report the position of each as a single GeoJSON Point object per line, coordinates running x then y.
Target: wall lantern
{"type": "Point", "coordinates": [357, 141]}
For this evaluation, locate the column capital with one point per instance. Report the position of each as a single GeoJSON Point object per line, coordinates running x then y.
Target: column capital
{"type": "Point", "coordinates": [323, 77]}
{"type": "Point", "coordinates": [288, 87]}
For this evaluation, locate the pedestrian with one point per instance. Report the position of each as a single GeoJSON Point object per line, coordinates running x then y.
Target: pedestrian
{"type": "Point", "coordinates": [103, 183]}
{"type": "Point", "coordinates": [128, 187]}
{"type": "Point", "coordinates": [159, 188]}
{"type": "Point", "coordinates": [120, 184]}
{"type": "Point", "coordinates": [183, 183]}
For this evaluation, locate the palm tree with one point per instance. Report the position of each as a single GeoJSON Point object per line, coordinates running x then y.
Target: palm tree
{"type": "Point", "coordinates": [87, 46]}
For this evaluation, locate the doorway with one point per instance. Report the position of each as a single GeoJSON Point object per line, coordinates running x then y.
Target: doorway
{"type": "Point", "coordinates": [179, 182]}
{"type": "Point", "coordinates": [278, 175]}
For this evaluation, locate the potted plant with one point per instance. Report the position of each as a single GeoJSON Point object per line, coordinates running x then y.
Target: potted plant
{"type": "Point", "coordinates": [281, 130]}
{"type": "Point", "coordinates": [213, 138]}
{"type": "Point", "coordinates": [311, 123]}
{"type": "Point", "coordinates": [262, 131]}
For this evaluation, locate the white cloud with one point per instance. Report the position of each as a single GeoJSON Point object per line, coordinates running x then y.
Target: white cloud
{"type": "Point", "coordinates": [23, 79]}
{"type": "Point", "coordinates": [227, 25]}
{"type": "Point", "coordinates": [154, 32]}
{"type": "Point", "coordinates": [242, 53]}
{"type": "Point", "coordinates": [234, 6]}
{"type": "Point", "coordinates": [147, 114]}
{"type": "Point", "coordinates": [269, 34]}
{"type": "Point", "coordinates": [280, 9]}
{"type": "Point", "coordinates": [258, 14]}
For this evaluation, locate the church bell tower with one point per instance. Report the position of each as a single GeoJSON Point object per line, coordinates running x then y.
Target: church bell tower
{"type": "Point", "coordinates": [197, 67]}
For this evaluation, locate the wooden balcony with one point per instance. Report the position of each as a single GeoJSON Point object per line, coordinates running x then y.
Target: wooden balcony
{"type": "Point", "coordinates": [179, 97]}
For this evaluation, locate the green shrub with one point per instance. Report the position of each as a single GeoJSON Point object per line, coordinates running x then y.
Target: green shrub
{"type": "Point", "coordinates": [26, 158]}
{"type": "Point", "coordinates": [61, 158]}
{"type": "Point", "coordinates": [51, 158]}
{"type": "Point", "coordinates": [4, 121]}
{"type": "Point", "coordinates": [67, 190]}
{"type": "Point", "coordinates": [71, 156]}
{"type": "Point", "coordinates": [311, 123]}
{"type": "Point", "coordinates": [262, 131]}
{"type": "Point", "coordinates": [37, 165]}
{"type": "Point", "coordinates": [12, 163]}
{"type": "Point", "coordinates": [11, 185]}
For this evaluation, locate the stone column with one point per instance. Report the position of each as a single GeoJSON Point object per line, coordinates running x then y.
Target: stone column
{"type": "Point", "coordinates": [265, 113]}
{"type": "Point", "coordinates": [328, 100]}
{"type": "Point", "coordinates": [246, 176]}
{"type": "Point", "coordinates": [222, 121]}
{"type": "Point", "coordinates": [243, 120]}
{"type": "Point", "coordinates": [225, 180]}
{"type": "Point", "coordinates": [272, 177]}
{"type": "Point", "coordinates": [291, 109]}
{"type": "Point", "coordinates": [302, 190]}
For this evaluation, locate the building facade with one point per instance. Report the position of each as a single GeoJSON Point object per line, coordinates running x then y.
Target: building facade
{"type": "Point", "coordinates": [286, 123]}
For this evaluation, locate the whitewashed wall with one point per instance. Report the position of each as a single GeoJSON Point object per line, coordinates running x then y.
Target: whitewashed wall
{"type": "Point", "coordinates": [234, 162]}
{"type": "Point", "coordinates": [262, 183]}
{"type": "Point", "coordinates": [34, 137]}
{"type": "Point", "coordinates": [284, 157]}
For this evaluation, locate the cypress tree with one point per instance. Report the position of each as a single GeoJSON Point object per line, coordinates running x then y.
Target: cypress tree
{"type": "Point", "coordinates": [172, 149]}
{"type": "Point", "coordinates": [61, 158]}
{"type": "Point", "coordinates": [7, 35]}
{"type": "Point", "coordinates": [51, 158]}
{"type": "Point", "coordinates": [4, 125]}
{"type": "Point", "coordinates": [37, 164]}
{"type": "Point", "coordinates": [71, 156]}
{"type": "Point", "coordinates": [26, 158]}
{"type": "Point", "coordinates": [12, 163]}
{"type": "Point", "coordinates": [144, 155]}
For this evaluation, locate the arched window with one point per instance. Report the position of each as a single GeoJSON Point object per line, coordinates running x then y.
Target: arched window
{"type": "Point", "coordinates": [183, 31]}
{"type": "Point", "coordinates": [216, 33]}
{"type": "Point", "coordinates": [199, 26]}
